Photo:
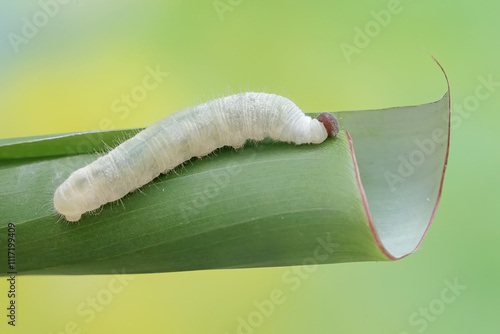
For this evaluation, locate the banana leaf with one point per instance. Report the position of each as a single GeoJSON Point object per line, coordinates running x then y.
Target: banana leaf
{"type": "Point", "coordinates": [368, 195]}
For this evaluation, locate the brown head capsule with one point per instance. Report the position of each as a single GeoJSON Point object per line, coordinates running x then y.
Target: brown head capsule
{"type": "Point", "coordinates": [330, 122]}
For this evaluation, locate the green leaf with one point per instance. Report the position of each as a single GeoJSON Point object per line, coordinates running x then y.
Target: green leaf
{"type": "Point", "coordinates": [267, 204]}
{"type": "Point", "coordinates": [402, 154]}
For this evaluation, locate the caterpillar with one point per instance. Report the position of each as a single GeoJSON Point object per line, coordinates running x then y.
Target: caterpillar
{"type": "Point", "coordinates": [192, 132]}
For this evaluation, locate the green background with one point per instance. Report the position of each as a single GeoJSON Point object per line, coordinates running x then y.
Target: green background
{"type": "Point", "coordinates": [88, 53]}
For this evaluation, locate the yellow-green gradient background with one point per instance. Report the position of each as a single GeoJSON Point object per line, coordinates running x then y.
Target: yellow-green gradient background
{"type": "Point", "coordinates": [91, 52]}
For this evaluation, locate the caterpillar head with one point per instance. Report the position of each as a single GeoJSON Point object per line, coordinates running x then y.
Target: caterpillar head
{"type": "Point", "coordinates": [330, 123]}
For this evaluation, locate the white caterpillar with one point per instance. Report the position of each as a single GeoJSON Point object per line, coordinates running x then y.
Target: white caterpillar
{"type": "Point", "coordinates": [191, 132]}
